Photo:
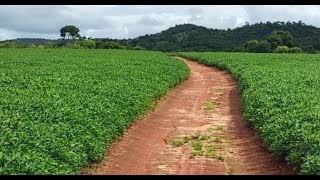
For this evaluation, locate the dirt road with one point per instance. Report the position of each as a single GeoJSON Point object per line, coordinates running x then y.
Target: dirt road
{"type": "Point", "coordinates": [198, 128]}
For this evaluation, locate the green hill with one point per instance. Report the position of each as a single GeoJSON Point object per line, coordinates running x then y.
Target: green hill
{"type": "Point", "coordinates": [189, 37]}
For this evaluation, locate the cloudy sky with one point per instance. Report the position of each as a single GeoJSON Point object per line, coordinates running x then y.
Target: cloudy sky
{"type": "Point", "coordinates": [131, 21]}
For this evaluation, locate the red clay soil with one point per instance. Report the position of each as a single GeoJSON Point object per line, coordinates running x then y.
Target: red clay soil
{"type": "Point", "coordinates": [208, 103]}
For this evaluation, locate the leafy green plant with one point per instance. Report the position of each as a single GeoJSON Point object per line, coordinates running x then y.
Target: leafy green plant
{"type": "Point", "coordinates": [217, 139]}
{"type": "Point", "coordinates": [281, 49]}
{"type": "Point", "coordinates": [209, 105]}
{"type": "Point", "coordinates": [195, 153]}
{"type": "Point", "coordinates": [197, 145]}
{"type": "Point", "coordinates": [204, 137]}
{"type": "Point", "coordinates": [59, 111]}
{"type": "Point", "coordinates": [178, 142]}
{"type": "Point", "coordinates": [195, 136]}
{"type": "Point", "coordinates": [219, 128]}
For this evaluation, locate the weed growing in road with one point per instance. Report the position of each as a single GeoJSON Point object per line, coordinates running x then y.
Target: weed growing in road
{"type": "Point", "coordinates": [220, 128]}
{"type": "Point", "coordinates": [217, 139]}
{"type": "Point", "coordinates": [197, 145]}
{"type": "Point", "coordinates": [178, 142]}
{"type": "Point", "coordinates": [195, 153]}
{"type": "Point", "coordinates": [204, 137]}
{"type": "Point", "coordinates": [206, 144]}
{"type": "Point", "coordinates": [209, 105]}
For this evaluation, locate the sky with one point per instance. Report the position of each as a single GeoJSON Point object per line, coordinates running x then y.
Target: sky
{"type": "Point", "coordinates": [130, 21]}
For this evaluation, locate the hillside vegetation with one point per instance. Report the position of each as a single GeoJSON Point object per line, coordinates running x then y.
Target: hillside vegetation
{"type": "Point", "coordinates": [189, 37]}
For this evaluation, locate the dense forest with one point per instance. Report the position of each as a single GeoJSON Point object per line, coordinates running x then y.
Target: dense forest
{"type": "Point", "coordinates": [189, 37]}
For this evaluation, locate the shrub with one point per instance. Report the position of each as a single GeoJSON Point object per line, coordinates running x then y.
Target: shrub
{"type": "Point", "coordinates": [8, 44]}
{"type": "Point", "coordinates": [295, 50]}
{"type": "Point", "coordinates": [282, 49]}
{"type": "Point", "coordinates": [263, 47]}
{"type": "Point", "coordinates": [49, 45]}
{"type": "Point", "coordinates": [138, 48]}
{"type": "Point", "coordinates": [112, 45]}
{"type": "Point", "coordinates": [251, 46]}
{"type": "Point", "coordinates": [90, 44]}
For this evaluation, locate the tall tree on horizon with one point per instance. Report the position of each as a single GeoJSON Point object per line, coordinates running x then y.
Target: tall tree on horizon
{"type": "Point", "coordinates": [280, 38]}
{"type": "Point", "coordinates": [69, 31]}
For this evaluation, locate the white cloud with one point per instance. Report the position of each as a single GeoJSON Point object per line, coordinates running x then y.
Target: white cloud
{"type": "Point", "coordinates": [129, 21]}
{"type": "Point", "coordinates": [307, 13]}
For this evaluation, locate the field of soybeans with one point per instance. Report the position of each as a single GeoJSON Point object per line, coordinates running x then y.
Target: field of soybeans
{"type": "Point", "coordinates": [280, 97]}
{"type": "Point", "coordinates": [61, 108]}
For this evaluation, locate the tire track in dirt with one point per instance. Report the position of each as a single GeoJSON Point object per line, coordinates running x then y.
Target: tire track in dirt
{"type": "Point", "coordinates": [206, 104]}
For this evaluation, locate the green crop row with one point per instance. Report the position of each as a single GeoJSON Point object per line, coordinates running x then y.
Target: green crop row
{"type": "Point", "coordinates": [60, 109]}
{"type": "Point", "coordinates": [280, 95]}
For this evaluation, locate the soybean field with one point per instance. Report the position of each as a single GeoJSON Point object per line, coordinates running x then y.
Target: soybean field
{"type": "Point", "coordinates": [280, 97]}
{"type": "Point", "coordinates": [61, 108]}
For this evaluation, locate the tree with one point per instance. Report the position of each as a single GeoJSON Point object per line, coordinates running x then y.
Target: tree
{"type": "Point", "coordinates": [30, 45]}
{"type": "Point", "coordinates": [309, 49]}
{"type": "Point", "coordinates": [112, 45]}
{"type": "Point", "coordinates": [280, 38]}
{"type": "Point", "coordinates": [21, 45]}
{"type": "Point", "coordinates": [282, 49]}
{"type": "Point", "coordinates": [238, 49]}
{"type": "Point", "coordinates": [8, 44]}
{"type": "Point", "coordinates": [91, 44]}
{"type": "Point", "coordinates": [99, 44]}
{"type": "Point", "coordinates": [73, 45]}
{"type": "Point", "coordinates": [263, 47]}
{"type": "Point", "coordinates": [251, 45]}
{"type": "Point", "coordinates": [49, 45]}
{"type": "Point", "coordinates": [138, 48]}
{"type": "Point", "coordinates": [70, 31]}
{"type": "Point", "coordinates": [295, 50]}
{"type": "Point", "coordinates": [274, 40]}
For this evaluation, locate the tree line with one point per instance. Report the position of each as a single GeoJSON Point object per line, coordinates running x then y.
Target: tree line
{"type": "Point", "coordinates": [70, 38]}
{"type": "Point", "coordinates": [258, 37]}
{"type": "Point", "coordinates": [277, 41]}
{"type": "Point", "coordinates": [189, 37]}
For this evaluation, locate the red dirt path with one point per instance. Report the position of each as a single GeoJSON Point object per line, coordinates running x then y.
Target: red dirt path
{"type": "Point", "coordinates": [146, 148]}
